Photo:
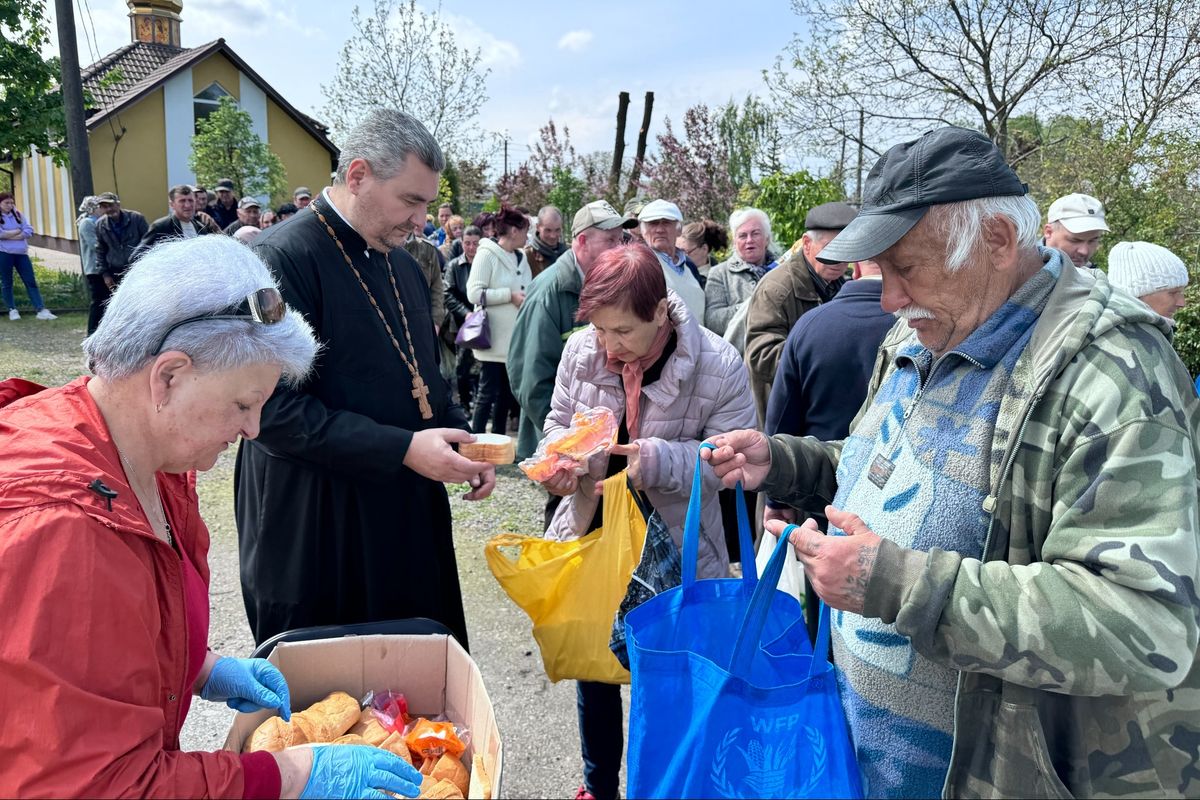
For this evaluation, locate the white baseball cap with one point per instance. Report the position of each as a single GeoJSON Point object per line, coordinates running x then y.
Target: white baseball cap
{"type": "Point", "coordinates": [660, 209]}
{"type": "Point", "coordinates": [1078, 213]}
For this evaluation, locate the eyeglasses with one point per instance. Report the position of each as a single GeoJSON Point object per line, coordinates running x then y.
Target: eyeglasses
{"type": "Point", "coordinates": [264, 306]}
{"type": "Point", "coordinates": [688, 252]}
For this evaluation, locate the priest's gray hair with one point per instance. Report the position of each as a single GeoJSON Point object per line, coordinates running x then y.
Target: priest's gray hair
{"type": "Point", "coordinates": [960, 224]}
{"type": "Point", "coordinates": [384, 139]}
{"type": "Point", "coordinates": [741, 216]}
{"type": "Point", "coordinates": [185, 278]}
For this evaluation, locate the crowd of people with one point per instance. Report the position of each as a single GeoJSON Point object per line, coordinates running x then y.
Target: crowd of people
{"type": "Point", "coordinates": [989, 446]}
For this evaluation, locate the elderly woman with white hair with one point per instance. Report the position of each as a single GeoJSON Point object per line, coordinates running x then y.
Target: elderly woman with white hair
{"type": "Point", "coordinates": [731, 282]}
{"type": "Point", "coordinates": [103, 554]}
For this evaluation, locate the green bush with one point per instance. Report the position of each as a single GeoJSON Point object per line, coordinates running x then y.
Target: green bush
{"type": "Point", "coordinates": [60, 290]}
{"type": "Point", "coordinates": [787, 198]}
{"type": "Point", "coordinates": [1187, 328]}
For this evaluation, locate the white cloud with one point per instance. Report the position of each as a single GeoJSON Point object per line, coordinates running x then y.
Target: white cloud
{"type": "Point", "coordinates": [501, 55]}
{"type": "Point", "coordinates": [575, 41]}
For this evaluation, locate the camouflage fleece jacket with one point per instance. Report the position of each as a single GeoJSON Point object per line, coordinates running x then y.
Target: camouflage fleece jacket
{"type": "Point", "coordinates": [1075, 636]}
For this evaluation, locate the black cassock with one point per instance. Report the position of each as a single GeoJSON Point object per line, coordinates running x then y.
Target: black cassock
{"type": "Point", "coordinates": [332, 528]}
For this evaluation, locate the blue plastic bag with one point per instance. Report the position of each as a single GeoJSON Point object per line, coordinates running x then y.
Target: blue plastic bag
{"type": "Point", "coordinates": [727, 698]}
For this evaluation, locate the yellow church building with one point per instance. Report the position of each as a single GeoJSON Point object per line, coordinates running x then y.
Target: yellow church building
{"type": "Point", "coordinates": [146, 99]}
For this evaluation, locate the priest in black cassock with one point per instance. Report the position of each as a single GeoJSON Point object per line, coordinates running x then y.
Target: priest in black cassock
{"type": "Point", "coordinates": [341, 509]}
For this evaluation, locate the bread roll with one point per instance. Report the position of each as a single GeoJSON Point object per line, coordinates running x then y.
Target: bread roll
{"type": "Point", "coordinates": [494, 448]}
{"type": "Point", "coordinates": [451, 769]}
{"type": "Point", "coordinates": [275, 735]}
{"type": "Point", "coordinates": [351, 738]}
{"type": "Point", "coordinates": [394, 743]}
{"type": "Point", "coordinates": [328, 719]}
{"type": "Point", "coordinates": [442, 790]}
{"type": "Point", "coordinates": [370, 728]}
{"type": "Point", "coordinates": [320, 723]}
{"type": "Point", "coordinates": [480, 787]}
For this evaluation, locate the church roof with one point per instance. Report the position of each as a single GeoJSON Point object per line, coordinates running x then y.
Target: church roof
{"type": "Point", "coordinates": [126, 75]}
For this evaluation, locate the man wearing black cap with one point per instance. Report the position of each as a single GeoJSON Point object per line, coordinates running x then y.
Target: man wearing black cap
{"type": "Point", "coordinates": [224, 209]}
{"type": "Point", "coordinates": [799, 284]}
{"type": "Point", "coordinates": [1012, 551]}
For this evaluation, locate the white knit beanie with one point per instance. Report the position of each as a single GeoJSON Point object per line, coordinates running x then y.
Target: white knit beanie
{"type": "Point", "coordinates": [1142, 268]}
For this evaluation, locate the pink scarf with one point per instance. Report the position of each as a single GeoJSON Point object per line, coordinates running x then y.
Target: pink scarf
{"type": "Point", "coordinates": [631, 373]}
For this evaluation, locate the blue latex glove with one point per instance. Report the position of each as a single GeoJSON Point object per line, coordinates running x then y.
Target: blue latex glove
{"type": "Point", "coordinates": [354, 770]}
{"type": "Point", "coordinates": [248, 684]}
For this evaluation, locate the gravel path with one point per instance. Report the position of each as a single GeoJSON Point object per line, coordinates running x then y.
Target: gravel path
{"type": "Point", "coordinates": [536, 717]}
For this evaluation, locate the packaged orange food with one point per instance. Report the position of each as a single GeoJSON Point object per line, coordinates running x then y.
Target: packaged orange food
{"type": "Point", "coordinates": [434, 739]}
{"type": "Point", "coordinates": [591, 431]}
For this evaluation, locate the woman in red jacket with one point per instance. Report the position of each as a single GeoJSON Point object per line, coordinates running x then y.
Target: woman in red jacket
{"type": "Point", "coordinates": [103, 554]}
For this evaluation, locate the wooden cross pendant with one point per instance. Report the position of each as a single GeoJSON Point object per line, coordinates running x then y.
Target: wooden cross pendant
{"type": "Point", "coordinates": [421, 393]}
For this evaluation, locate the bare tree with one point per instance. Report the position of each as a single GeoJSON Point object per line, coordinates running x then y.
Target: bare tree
{"type": "Point", "coordinates": [400, 56]}
{"type": "Point", "coordinates": [909, 66]}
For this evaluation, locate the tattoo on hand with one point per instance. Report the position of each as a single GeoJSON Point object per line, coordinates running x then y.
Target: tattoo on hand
{"type": "Point", "coordinates": [856, 585]}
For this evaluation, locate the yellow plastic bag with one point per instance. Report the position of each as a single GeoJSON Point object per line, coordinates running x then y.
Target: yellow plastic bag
{"type": "Point", "coordinates": [571, 590]}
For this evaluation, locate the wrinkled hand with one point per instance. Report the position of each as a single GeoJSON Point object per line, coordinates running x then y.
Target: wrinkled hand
{"type": "Point", "coordinates": [482, 484]}
{"type": "Point", "coordinates": [354, 770]}
{"type": "Point", "coordinates": [248, 684]}
{"type": "Point", "coordinates": [785, 515]}
{"type": "Point", "coordinates": [562, 483]}
{"type": "Point", "coordinates": [431, 455]}
{"type": "Point", "coordinates": [839, 567]}
{"type": "Point", "coordinates": [740, 456]}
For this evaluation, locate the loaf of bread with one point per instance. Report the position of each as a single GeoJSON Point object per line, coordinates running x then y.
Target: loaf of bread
{"type": "Point", "coordinates": [322, 722]}
{"type": "Point", "coordinates": [394, 743]}
{"type": "Point", "coordinates": [494, 448]}
{"type": "Point", "coordinates": [451, 769]}
{"type": "Point", "coordinates": [370, 728]}
{"type": "Point", "coordinates": [440, 790]}
{"type": "Point", "coordinates": [351, 738]}
{"type": "Point", "coordinates": [275, 735]}
{"type": "Point", "coordinates": [480, 786]}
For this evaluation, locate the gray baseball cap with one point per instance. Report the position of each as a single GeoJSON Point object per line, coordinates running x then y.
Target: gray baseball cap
{"type": "Point", "coordinates": [946, 165]}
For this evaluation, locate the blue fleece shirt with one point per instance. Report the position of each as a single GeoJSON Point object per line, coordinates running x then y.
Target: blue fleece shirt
{"type": "Point", "coordinates": [916, 470]}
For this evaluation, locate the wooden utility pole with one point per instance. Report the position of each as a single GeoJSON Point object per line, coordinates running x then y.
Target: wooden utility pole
{"type": "Point", "coordinates": [861, 124]}
{"type": "Point", "coordinates": [636, 174]}
{"type": "Point", "coordinates": [614, 175]}
{"type": "Point", "coordinates": [72, 89]}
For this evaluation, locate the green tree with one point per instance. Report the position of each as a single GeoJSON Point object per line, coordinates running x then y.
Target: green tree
{"type": "Point", "coordinates": [226, 146]}
{"type": "Point", "coordinates": [31, 105]}
{"type": "Point", "coordinates": [787, 197]}
{"type": "Point", "coordinates": [567, 193]}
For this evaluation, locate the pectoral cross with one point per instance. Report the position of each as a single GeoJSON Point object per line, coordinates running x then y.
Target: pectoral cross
{"type": "Point", "coordinates": [420, 392]}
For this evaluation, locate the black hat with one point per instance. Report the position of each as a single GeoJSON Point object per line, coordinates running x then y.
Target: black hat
{"type": "Point", "coordinates": [947, 165]}
{"type": "Point", "coordinates": [224, 183]}
{"type": "Point", "coordinates": [829, 217]}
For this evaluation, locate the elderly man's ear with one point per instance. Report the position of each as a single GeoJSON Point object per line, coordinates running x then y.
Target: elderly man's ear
{"type": "Point", "coordinates": [1000, 243]}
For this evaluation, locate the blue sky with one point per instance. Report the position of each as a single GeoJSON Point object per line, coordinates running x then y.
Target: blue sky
{"type": "Point", "coordinates": [548, 59]}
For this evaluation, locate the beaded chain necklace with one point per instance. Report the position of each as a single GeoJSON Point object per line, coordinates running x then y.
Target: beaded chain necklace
{"type": "Point", "coordinates": [420, 390]}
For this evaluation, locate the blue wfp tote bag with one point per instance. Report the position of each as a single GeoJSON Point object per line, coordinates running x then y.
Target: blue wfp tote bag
{"type": "Point", "coordinates": [727, 698]}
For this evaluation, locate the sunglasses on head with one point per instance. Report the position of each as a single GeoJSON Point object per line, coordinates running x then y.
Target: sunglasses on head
{"type": "Point", "coordinates": [264, 306]}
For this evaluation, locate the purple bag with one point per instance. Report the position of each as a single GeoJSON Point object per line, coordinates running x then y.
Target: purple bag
{"type": "Point", "coordinates": [475, 332]}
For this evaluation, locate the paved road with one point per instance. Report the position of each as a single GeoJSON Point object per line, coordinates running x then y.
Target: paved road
{"type": "Point", "coordinates": [536, 717]}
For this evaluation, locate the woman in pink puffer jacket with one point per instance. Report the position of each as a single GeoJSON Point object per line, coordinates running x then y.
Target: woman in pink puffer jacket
{"type": "Point", "coordinates": [672, 384]}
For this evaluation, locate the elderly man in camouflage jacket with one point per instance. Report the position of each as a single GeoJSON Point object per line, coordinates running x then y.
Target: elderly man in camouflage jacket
{"type": "Point", "coordinates": [1013, 549]}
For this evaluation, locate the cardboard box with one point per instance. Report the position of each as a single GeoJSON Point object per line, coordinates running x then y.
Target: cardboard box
{"type": "Point", "coordinates": [435, 674]}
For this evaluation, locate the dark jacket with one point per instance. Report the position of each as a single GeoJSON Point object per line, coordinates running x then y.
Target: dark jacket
{"type": "Point", "coordinates": [827, 363]}
{"type": "Point", "coordinates": [544, 323]}
{"type": "Point", "coordinates": [783, 295]}
{"type": "Point", "coordinates": [116, 242]}
{"type": "Point", "coordinates": [224, 217]}
{"type": "Point", "coordinates": [454, 281]}
{"type": "Point", "coordinates": [541, 256]}
{"type": "Point", "coordinates": [167, 227]}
